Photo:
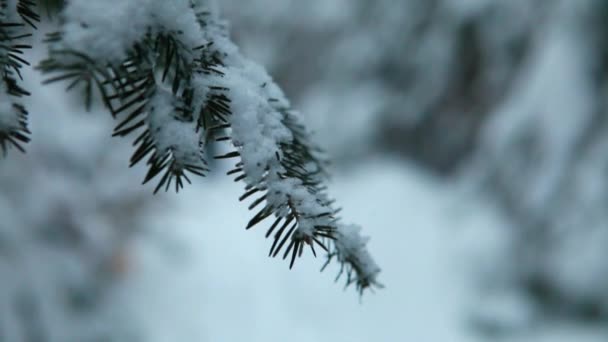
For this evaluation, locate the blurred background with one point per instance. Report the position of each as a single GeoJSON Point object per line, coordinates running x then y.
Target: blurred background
{"type": "Point", "coordinates": [468, 137]}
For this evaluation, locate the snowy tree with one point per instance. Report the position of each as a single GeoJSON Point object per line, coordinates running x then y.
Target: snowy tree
{"type": "Point", "coordinates": [169, 73]}
{"type": "Point", "coordinates": [68, 219]}
{"type": "Point", "coordinates": [542, 157]}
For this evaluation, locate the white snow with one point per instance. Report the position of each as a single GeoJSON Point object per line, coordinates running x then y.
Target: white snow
{"type": "Point", "coordinates": [180, 138]}
{"type": "Point", "coordinates": [98, 27]}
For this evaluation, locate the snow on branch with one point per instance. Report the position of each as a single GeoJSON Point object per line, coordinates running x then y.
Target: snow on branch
{"type": "Point", "coordinates": [168, 70]}
{"type": "Point", "coordinates": [107, 30]}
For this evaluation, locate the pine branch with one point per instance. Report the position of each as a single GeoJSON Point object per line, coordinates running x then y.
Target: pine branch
{"type": "Point", "coordinates": [27, 12]}
{"type": "Point", "coordinates": [150, 93]}
{"type": "Point", "coordinates": [182, 84]}
{"type": "Point", "coordinates": [13, 36]}
{"type": "Point", "coordinates": [13, 120]}
{"type": "Point", "coordinates": [284, 175]}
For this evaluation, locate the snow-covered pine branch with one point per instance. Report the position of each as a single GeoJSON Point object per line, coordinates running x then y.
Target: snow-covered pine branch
{"type": "Point", "coordinates": [168, 71]}
{"type": "Point", "coordinates": [17, 17]}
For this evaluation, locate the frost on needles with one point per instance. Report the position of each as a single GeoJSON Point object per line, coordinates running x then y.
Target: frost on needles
{"type": "Point", "coordinates": [171, 76]}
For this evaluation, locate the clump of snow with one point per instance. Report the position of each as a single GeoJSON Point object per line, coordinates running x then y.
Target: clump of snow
{"type": "Point", "coordinates": [171, 135]}
{"type": "Point", "coordinates": [257, 127]}
{"type": "Point", "coordinates": [351, 248]}
{"type": "Point", "coordinates": [95, 27]}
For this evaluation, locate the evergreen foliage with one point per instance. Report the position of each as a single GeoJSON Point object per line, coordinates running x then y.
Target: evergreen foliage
{"type": "Point", "coordinates": [15, 23]}
{"type": "Point", "coordinates": [175, 82]}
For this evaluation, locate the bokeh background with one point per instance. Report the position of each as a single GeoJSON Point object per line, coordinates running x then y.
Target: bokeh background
{"type": "Point", "coordinates": [468, 137]}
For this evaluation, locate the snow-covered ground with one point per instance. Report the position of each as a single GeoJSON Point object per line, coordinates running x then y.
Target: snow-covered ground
{"type": "Point", "coordinates": [214, 282]}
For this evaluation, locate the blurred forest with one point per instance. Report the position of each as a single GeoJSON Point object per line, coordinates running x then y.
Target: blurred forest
{"type": "Point", "coordinates": [506, 99]}
{"type": "Point", "coordinates": [509, 96]}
